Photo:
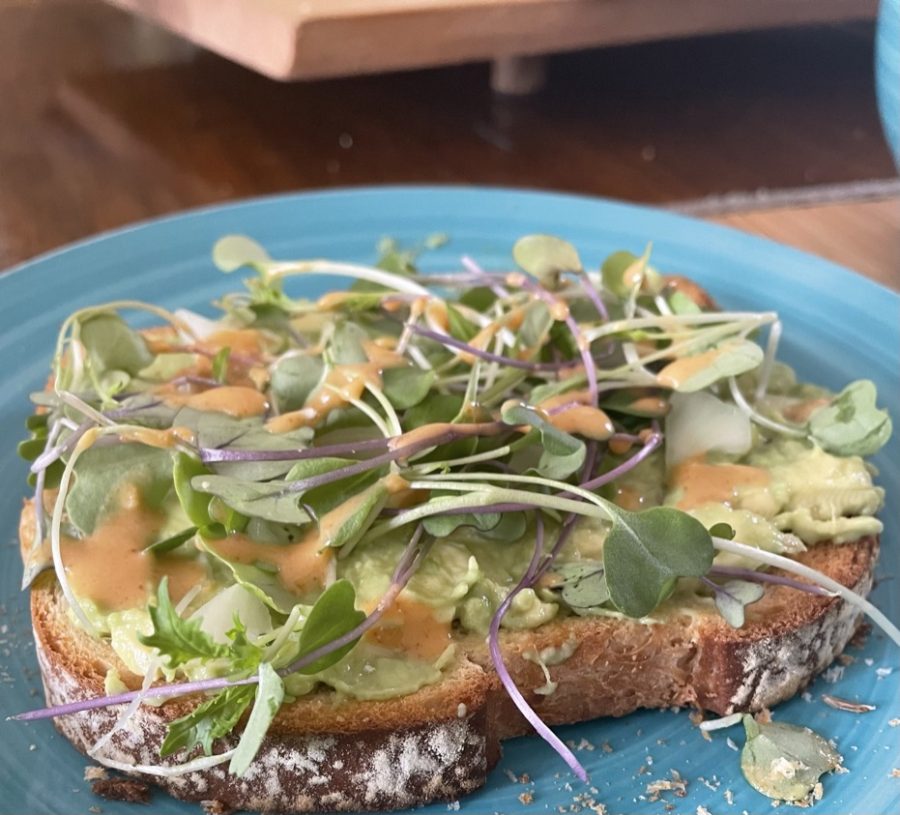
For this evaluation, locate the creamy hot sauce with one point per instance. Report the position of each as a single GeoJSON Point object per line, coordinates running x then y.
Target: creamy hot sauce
{"type": "Point", "coordinates": [111, 567]}
{"type": "Point", "coordinates": [411, 627]}
{"type": "Point", "coordinates": [343, 385]}
{"type": "Point", "coordinates": [302, 566]}
{"type": "Point", "coordinates": [702, 483]}
{"type": "Point", "coordinates": [681, 370]}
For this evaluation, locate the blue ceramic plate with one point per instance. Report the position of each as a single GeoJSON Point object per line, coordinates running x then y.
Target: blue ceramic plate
{"type": "Point", "coordinates": [838, 327]}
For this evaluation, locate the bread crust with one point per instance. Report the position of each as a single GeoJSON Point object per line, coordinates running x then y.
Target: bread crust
{"type": "Point", "coordinates": [328, 753]}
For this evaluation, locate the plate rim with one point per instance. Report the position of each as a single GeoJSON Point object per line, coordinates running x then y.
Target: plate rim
{"type": "Point", "coordinates": [639, 208]}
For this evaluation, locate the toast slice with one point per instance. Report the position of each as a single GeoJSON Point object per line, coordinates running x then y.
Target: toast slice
{"type": "Point", "coordinates": [325, 752]}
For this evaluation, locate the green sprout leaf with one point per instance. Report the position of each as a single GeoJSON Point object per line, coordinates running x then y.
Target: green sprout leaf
{"type": "Point", "coordinates": [166, 545]}
{"type": "Point", "coordinates": [536, 326]}
{"type": "Point", "coordinates": [460, 327]}
{"type": "Point", "coordinates": [562, 454]}
{"type": "Point", "coordinates": [347, 523]}
{"type": "Point", "coordinates": [852, 425]}
{"type": "Point", "coordinates": [646, 552]}
{"type": "Point", "coordinates": [177, 639]}
{"type": "Point", "coordinates": [731, 358]}
{"type": "Point", "coordinates": [680, 303]}
{"type": "Point", "coordinates": [233, 252]}
{"type": "Point", "coordinates": [347, 344]}
{"type": "Point", "coordinates": [734, 596]}
{"type": "Point", "coordinates": [100, 473]}
{"type": "Point", "coordinates": [582, 586]}
{"type": "Point", "coordinates": [209, 721]}
{"type": "Point", "coordinates": [113, 346]}
{"type": "Point", "coordinates": [194, 503]}
{"type": "Point", "coordinates": [259, 578]}
{"type": "Point", "coordinates": [505, 526]}
{"type": "Point", "coordinates": [407, 387]}
{"type": "Point", "coordinates": [267, 500]}
{"type": "Point", "coordinates": [785, 762]}
{"type": "Point", "coordinates": [333, 615]}
{"type": "Point", "coordinates": [220, 364]}
{"type": "Point", "coordinates": [269, 696]}
{"type": "Point", "coordinates": [294, 379]}
{"type": "Point", "coordinates": [545, 256]}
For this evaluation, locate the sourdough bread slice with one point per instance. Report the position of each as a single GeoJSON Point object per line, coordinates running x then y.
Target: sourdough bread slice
{"type": "Point", "coordinates": [325, 752]}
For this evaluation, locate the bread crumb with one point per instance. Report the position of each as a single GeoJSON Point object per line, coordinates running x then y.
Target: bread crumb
{"type": "Point", "coordinates": [894, 722]}
{"type": "Point", "coordinates": [881, 673]}
{"type": "Point", "coordinates": [526, 798]}
{"type": "Point", "coordinates": [216, 807]}
{"type": "Point", "coordinates": [674, 784]}
{"type": "Point", "coordinates": [764, 716]}
{"type": "Point", "coordinates": [94, 773]}
{"type": "Point", "coordinates": [524, 778]}
{"type": "Point", "coordinates": [121, 789]}
{"type": "Point", "coordinates": [729, 797]}
{"type": "Point", "coordinates": [453, 806]}
{"type": "Point", "coordinates": [702, 810]}
{"type": "Point", "coordinates": [606, 747]}
{"type": "Point", "coordinates": [94, 810]}
{"type": "Point", "coordinates": [895, 773]}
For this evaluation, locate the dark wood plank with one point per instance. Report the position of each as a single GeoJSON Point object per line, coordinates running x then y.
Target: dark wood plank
{"type": "Point", "coordinates": [107, 120]}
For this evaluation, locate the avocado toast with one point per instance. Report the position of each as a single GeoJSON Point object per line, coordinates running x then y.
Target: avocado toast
{"type": "Point", "coordinates": [477, 473]}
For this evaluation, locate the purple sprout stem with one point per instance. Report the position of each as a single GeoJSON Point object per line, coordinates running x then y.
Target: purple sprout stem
{"type": "Point", "coordinates": [406, 566]}
{"type": "Point", "coordinates": [592, 294]}
{"type": "Point", "coordinates": [584, 347]}
{"type": "Point", "coordinates": [764, 577]}
{"type": "Point", "coordinates": [489, 280]}
{"type": "Point", "coordinates": [488, 356]}
{"type": "Point", "coordinates": [500, 666]}
{"type": "Point", "coordinates": [401, 451]}
{"type": "Point", "coordinates": [653, 442]}
{"type": "Point", "coordinates": [212, 455]}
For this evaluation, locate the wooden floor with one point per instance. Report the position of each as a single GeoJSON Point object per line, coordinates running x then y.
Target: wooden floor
{"type": "Point", "coordinates": [107, 120]}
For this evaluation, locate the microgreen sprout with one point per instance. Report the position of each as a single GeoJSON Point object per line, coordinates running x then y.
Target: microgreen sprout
{"type": "Point", "coordinates": [509, 405]}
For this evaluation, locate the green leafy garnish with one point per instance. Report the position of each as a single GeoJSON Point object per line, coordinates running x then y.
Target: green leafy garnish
{"type": "Point", "coordinates": [194, 503]}
{"type": "Point", "coordinates": [209, 721]}
{"type": "Point", "coordinates": [407, 387]}
{"type": "Point", "coordinates": [734, 596]}
{"type": "Point", "coordinates": [172, 542]}
{"type": "Point", "coordinates": [294, 378]}
{"type": "Point", "coordinates": [785, 762]}
{"type": "Point", "coordinates": [220, 364]}
{"type": "Point", "coordinates": [731, 358]}
{"type": "Point", "coordinates": [545, 256]}
{"type": "Point", "coordinates": [347, 523]}
{"type": "Point", "coordinates": [100, 473]}
{"type": "Point", "coordinates": [582, 586]}
{"type": "Point", "coordinates": [333, 615]}
{"type": "Point", "coordinates": [562, 454]}
{"type": "Point", "coordinates": [269, 696]}
{"type": "Point", "coordinates": [178, 640]}
{"type": "Point", "coordinates": [113, 346]}
{"type": "Point", "coordinates": [646, 552]}
{"type": "Point", "coordinates": [852, 425]}
{"type": "Point", "coordinates": [460, 327]}
{"type": "Point", "coordinates": [267, 500]}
